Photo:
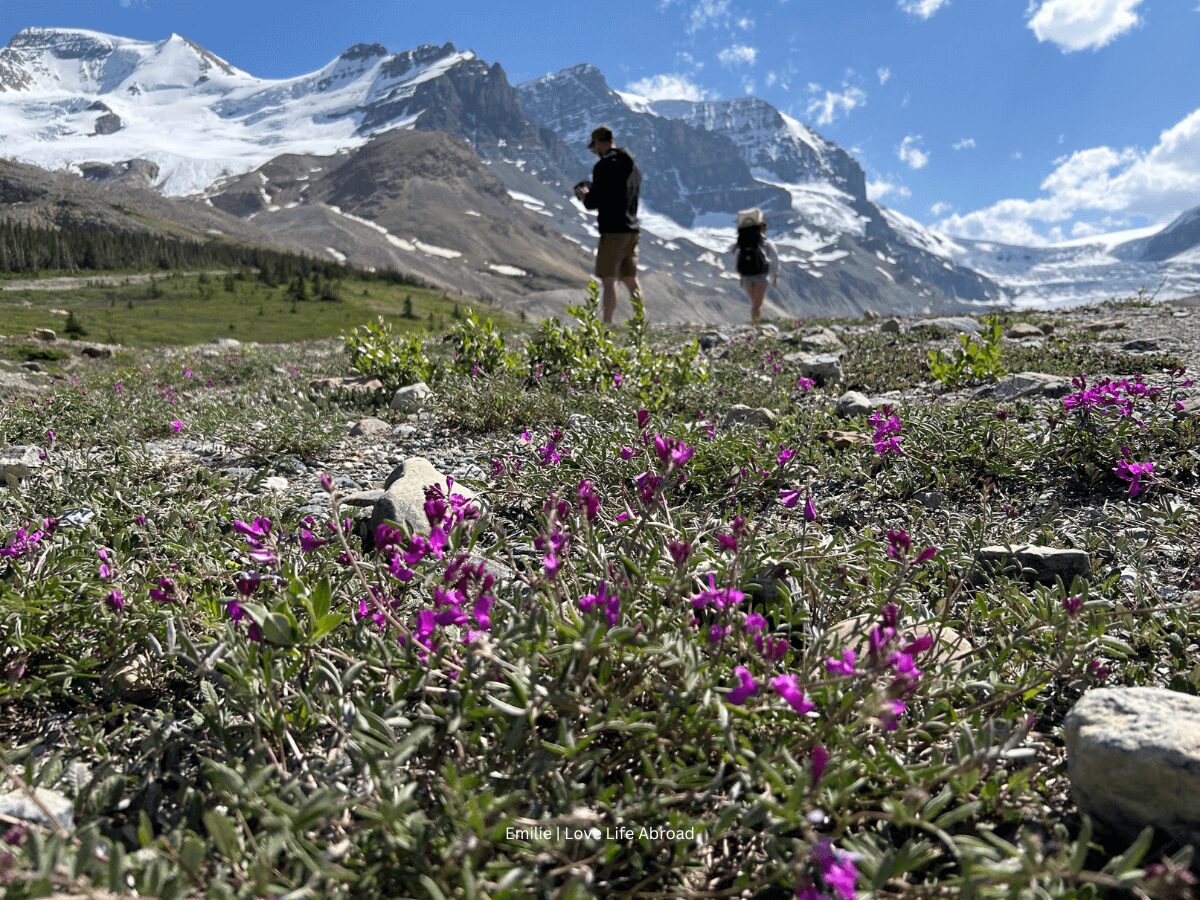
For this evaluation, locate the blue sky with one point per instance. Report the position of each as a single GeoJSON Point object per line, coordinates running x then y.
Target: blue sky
{"type": "Point", "coordinates": [1021, 120]}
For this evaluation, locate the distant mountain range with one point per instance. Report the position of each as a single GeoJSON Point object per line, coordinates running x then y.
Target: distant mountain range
{"type": "Point", "coordinates": [429, 161]}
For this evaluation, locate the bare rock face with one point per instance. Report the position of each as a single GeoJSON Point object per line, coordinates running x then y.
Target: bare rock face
{"type": "Point", "coordinates": [1133, 756]}
{"type": "Point", "coordinates": [109, 123]}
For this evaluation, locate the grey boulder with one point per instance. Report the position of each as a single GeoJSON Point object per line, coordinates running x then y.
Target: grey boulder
{"type": "Point", "coordinates": [20, 461]}
{"type": "Point", "coordinates": [1133, 757]}
{"type": "Point", "coordinates": [369, 426]}
{"type": "Point", "coordinates": [1023, 330]}
{"type": "Point", "coordinates": [818, 338]}
{"type": "Point", "coordinates": [403, 499]}
{"type": "Point", "coordinates": [1026, 384]}
{"type": "Point", "coordinates": [1043, 564]}
{"type": "Point", "coordinates": [745, 415]}
{"type": "Point", "coordinates": [824, 368]}
{"type": "Point", "coordinates": [412, 398]}
{"type": "Point", "coordinates": [957, 324]}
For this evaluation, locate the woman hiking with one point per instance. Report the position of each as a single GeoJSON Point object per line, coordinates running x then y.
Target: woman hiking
{"type": "Point", "coordinates": [757, 261]}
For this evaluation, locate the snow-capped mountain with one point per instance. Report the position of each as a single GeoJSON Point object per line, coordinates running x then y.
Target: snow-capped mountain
{"type": "Point", "coordinates": [69, 97]}
{"type": "Point", "coordinates": [1159, 262]}
{"type": "Point", "coordinates": [174, 116]}
{"type": "Point", "coordinates": [1178, 242]}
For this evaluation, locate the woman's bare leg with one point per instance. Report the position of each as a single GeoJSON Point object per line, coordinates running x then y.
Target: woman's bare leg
{"type": "Point", "coordinates": [757, 292]}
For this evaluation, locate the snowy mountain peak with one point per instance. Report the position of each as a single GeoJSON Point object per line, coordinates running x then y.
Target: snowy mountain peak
{"type": "Point", "coordinates": [71, 60]}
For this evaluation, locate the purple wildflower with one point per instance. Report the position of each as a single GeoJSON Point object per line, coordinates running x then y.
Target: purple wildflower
{"type": "Point", "coordinates": [899, 543]}
{"type": "Point", "coordinates": [747, 686]}
{"type": "Point", "coordinates": [680, 552]}
{"type": "Point", "coordinates": [610, 604]}
{"type": "Point", "coordinates": [1134, 472]}
{"type": "Point", "coordinates": [886, 439]}
{"type": "Point", "coordinates": [718, 598]}
{"type": "Point", "coordinates": [843, 666]}
{"type": "Point", "coordinates": [838, 869]}
{"type": "Point", "coordinates": [820, 758]}
{"type": "Point", "coordinates": [786, 686]}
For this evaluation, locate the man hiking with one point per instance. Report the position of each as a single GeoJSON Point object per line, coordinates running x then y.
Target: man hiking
{"type": "Point", "coordinates": [613, 193]}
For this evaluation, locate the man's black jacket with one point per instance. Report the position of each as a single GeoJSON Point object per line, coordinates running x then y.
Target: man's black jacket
{"type": "Point", "coordinates": [616, 183]}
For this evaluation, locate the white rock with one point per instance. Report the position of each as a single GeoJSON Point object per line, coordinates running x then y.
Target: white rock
{"type": "Point", "coordinates": [276, 483]}
{"type": "Point", "coordinates": [20, 461]}
{"type": "Point", "coordinates": [19, 805]}
{"type": "Point", "coordinates": [739, 414]}
{"type": "Point", "coordinates": [959, 324]}
{"type": "Point", "coordinates": [1133, 756]}
{"type": "Point", "coordinates": [1045, 564]}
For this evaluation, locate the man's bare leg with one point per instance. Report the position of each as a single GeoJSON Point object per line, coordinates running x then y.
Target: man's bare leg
{"type": "Point", "coordinates": [631, 284]}
{"type": "Point", "coordinates": [610, 298]}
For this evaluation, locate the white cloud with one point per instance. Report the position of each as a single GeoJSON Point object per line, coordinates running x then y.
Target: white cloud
{"type": "Point", "coordinates": [940, 208]}
{"type": "Point", "coordinates": [772, 77]}
{"type": "Point", "coordinates": [880, 188]}
{"type": "Point", "coordinates": [910, 152]}
{"type": "Point", "coordinates": [745, 23]}
{"type": "Point", "coordinates": [921, 8]}
{"type": "Point", "coordinates": [823, 108]}
{"type": "Point", "coordinates": [884, 74]}
{"type": "Point", "coordinates": [668, 87]}
{"type": "Point", "coordinates": [1016, 154]}
{"type": "Point", "coordinates": [738, 55]}
{"type": "Point", "coordinates": [1154, 185]}
{"type": "Point", "coordinates": [964, 144]}
{"type": "Point", "coordinates": [1083, 24]}
{"type": "Point", "coordinates": [707, 12]}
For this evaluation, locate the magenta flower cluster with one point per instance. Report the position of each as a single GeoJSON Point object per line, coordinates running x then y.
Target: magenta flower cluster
{"type": "Point", "coordinates": [886, 439]}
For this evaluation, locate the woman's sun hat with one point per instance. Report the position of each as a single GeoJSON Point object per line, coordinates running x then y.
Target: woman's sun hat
{"type": "Point", "coordinates": [749, 218]}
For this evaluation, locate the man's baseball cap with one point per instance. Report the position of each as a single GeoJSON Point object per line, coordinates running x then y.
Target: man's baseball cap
{"type": "Point", "coordinates": [603, 133]}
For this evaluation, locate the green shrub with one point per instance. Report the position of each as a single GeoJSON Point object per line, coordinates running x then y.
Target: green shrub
{"type": "Point", "coordinates": [586, 356]}
{"type": "Point", "coordinates": [375, 349]}
{"type": "Point", "coordinates": [973, 360]}
{"type": "Point", "coordinates": [478, 346]}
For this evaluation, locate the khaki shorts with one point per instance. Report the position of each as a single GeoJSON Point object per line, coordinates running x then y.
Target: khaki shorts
{"type": "Point", "coordinates": [617, 255]}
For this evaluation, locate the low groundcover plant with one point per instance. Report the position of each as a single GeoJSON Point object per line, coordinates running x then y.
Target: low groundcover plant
{"type": "Point", "coordinates": [659, 654]}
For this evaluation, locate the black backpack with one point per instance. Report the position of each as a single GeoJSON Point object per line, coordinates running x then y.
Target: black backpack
{"type": "Point", "coordinates": [751, 257]}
